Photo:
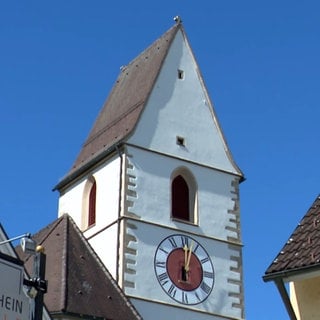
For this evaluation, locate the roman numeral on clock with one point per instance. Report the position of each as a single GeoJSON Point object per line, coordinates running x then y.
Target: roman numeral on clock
{"type": "Point", "coordinates": [160, 264]}
{"type": "Point", "coordinates": [172, 291]}
{"type": "Point", "coordinates": [205, 288]}
{"type": "Point", "coordinates": [208, 274]}
{"type": "Point", "coordinates": [173, 242]}
{"type": "Point", "coordinates": [197, 296]}
{"type": "Point", "coordinates": [196, 248]}
{"type": "Point", "coordinates": [163, 278]}
{"type": "Point", "coordinates": [163, 250]}
{"type": "Point", "coordinates": [184, 298]}
{"type": "Point", "coordinates": [184, 241]}
{"type": "Point", "coordinates": [204, 260]}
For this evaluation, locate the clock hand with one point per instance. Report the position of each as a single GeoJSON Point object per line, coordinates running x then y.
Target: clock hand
{"type": "Point", "coordinates": [188, 258]}
{"type": "Point", "coordinates": [184, 275]}
{"type": "Point", "coordinates": [185, 249]}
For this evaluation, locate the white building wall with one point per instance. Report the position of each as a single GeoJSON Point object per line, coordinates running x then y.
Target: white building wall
{"type": "Point", "coordinates": [181, 107]}
{"type": "Point", "coordinates": [218, 229]}
{"type": "Point", "coordinates": [70, 202]}
{"type": "Point", "coordinates": [142, 282]}
{"type": "Point", "coordinates": [160, 312]}
{"type": "Point", "coordinates": [105, 245]}
{"type": "Point", "coordinates": [152, 199]}
{"type": "Point", "coordinates": [107, 178]}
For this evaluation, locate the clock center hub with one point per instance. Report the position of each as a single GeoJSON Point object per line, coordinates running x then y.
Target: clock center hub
{"type": "Point", "coordinates": [184, 277]}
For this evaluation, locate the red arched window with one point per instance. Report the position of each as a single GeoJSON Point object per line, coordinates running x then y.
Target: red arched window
{"type": "Point", "coordinates": [92, 205]}
{"type": "Point", "coordinates": [180, 199]}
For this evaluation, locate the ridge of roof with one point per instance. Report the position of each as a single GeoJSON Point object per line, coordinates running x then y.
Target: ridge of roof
{"type": "Point", "coordinates": [78, 282]}
{"type": "Point", "coordinates": [64, 262]}
{"type": "Point", "coordinates": [107, 274]}
{"type": "Point", "coordinates": [54, 298]}
{"type": "Point", "coordinates": [301, 252]}
{"type": "Point", "coordinates": [125, 103]}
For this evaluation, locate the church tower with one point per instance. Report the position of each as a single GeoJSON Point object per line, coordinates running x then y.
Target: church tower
{"type": "Point", "coordinates": [155, 190]}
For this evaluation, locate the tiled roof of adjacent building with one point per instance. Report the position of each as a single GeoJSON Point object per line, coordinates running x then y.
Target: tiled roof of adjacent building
{"type": "Point", "coordinates": [301, 253]}
{"type": "Point", "coordinates": [78, 282]}
{"type": "Point", "coordinates": [122, 109]}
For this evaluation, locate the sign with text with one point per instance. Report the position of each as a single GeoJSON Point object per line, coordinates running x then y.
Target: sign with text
{"type": "Point", "coordinates": [14, 304]}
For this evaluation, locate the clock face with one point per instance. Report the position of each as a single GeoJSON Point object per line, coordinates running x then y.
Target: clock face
{"type": "Point", "coordinates": [184, 269]}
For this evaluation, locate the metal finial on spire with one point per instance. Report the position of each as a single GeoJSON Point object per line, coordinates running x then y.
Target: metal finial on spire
{"type": "Point", "coordinates": [177, 19]}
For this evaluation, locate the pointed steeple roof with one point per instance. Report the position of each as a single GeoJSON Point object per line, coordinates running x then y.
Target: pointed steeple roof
{"type": "Point", "coordinates": [78, 282]}
{"type": "Point", "coordinates": [120, 113]}
{"type": "Point", "coordinates": [301, 253]}
{"type": "Point", "coordinates": [125, 104]}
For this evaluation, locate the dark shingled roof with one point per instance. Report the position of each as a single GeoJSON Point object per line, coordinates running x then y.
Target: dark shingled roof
{"type": "Point", "coordinates": [122, 109]}
{"type": "Point", "coordinates": [78, 282]}
{"type": "Point", "coordinates": [301, 253]}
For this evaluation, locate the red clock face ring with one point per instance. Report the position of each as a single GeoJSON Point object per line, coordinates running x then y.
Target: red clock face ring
{"type": "Point", "coordinates": [186, 281]}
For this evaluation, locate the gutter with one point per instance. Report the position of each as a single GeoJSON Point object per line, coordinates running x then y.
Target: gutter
{"type": "Point", "coordinates": [287, 274]}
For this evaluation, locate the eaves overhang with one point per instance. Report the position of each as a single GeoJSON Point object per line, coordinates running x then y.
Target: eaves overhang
{"type": "Point", "coordinates": [86, 166]}
{"type": "Point", "coordinates": [293, 274]}
{"type": "Point", "coordinates": [62, 315]}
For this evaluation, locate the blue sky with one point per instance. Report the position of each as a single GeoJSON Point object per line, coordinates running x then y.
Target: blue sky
{"type": "Point", "coordinates": [260, 62]}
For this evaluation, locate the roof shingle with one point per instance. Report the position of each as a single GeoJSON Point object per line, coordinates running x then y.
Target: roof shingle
{"type": "Point", "coordinates": [121, 111]}
{"type": "Point", "coordinates": [78, 282]}
{"type": "Point", "coordinates": [302, 250]}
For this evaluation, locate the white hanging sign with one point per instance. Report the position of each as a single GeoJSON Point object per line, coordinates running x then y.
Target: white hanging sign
{"type": "Point", "coordinates": [14, 304]}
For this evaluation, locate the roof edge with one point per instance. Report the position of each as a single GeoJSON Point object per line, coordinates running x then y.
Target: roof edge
{"type": "Point", "coordinates": [178, 26]}
{"type": "Point", "coordinates": [103, 267]}
{"type": "Point", "coordinates": [75, 315]}
{"type": "Point", "coordinates": [82, 169]}
{"type": "Point", "coordinates": [212, 108]}
{"type": "Point", "coordinates": [77, 169]}
{"type": "Point", "coordinates": [287, 274]}
{"type": "Point", "coordinates": [64, 268]}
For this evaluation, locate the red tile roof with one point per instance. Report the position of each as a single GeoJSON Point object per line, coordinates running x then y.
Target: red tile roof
{"type": "Point", "coordinates": [121, 111]}
{"type": "Point", "coordinates": [78, 282]}
{"type": "Point", "coordinates": [301, 253]}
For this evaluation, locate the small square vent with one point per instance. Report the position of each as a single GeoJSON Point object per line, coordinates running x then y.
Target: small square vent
{"type": "Point", "coordinates": [180, 74]}
{"type": "Point", "coordinates": [180, 141]}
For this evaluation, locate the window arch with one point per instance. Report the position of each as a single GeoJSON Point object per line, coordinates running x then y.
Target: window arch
{"type": "Point", "coordinates": [89, 203]}
{"type": "Point", "coordinates": [92, 205]}
{"type": "Point", "coordinates": [183, 196]}
{"type": "Point", "coordinates": [180, 198]}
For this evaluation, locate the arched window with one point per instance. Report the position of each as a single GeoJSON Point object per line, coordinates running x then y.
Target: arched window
{"type": "Point", "coordinates": [89, 203]}
{"type": "Point", "coordinates": [180, 199]}
{"type": "Point", "coordinates": [92, 205]}
{"type": "Point", "coordinates": [183, 196]}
